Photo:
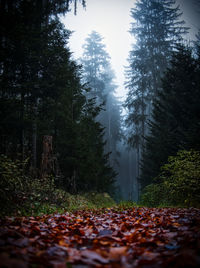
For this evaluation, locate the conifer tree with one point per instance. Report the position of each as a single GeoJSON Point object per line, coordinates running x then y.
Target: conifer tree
{"type": "Point", "coordinates": [41, 94]}
{"type": "Point", "coordinates": [98, 74]}
{"type": "Point", "coordinates": [157, 29]}
{"type": "Point", "coordinates": [95, 61]}
{"type": "Point", "coordinates": [175, 120]}
{"type": "Point", "coordinates": [22, 45]}
{"type": "Point", "coordinates": [95, 171]}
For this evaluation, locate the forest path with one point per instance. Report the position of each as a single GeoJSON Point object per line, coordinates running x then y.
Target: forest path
{"type": "Point", "coordinates": [133, 237]}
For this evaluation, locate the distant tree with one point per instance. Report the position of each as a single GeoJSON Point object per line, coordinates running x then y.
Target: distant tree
{"type": "Point", "coordinates": [197, 44]}
{"type": "Point", "coordinates": [95, 172]}
{"type": "Point", "coordinates": [98, 74]}
{"type": "Point", "coordinates": [157, 29]}
{"type": "Point", "coordinates": [111, 120]}
{"type": "Point", "coordinates": [175, 121]}
{"type": "Point", "coordinates": [95, 61]}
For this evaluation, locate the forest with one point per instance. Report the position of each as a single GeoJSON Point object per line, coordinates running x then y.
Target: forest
{"type": "Point", "coordinates": [88, 180]}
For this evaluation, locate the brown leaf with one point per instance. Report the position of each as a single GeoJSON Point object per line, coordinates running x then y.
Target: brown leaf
{"type": "Point", "coordinates": [136, 237]}
{"type": "Point", "coordinates": [117, 252]}
{"type": "Point", "coordinates": [91, 257]}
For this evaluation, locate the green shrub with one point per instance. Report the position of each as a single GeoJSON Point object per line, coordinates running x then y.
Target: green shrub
{"type": "Point", "coordinates": [13, 183]}
{"type": "Point", "coordinates": [152, 195]}
{"type": "Point", "coordinates": [99, 200]}
{"type": "Point", "coordinates": [178, 183]}
{"type": "Point", "coordinates": [125, 204]}
{"type": "Point", "coordinates": [23, 195]}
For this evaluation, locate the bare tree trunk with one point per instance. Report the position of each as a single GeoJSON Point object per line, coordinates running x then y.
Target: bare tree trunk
{"type": "Point", "coordinates": [138, 170]}
{"type": "Point", "coordinates": [47, 164]}
{"type": "Point", "coordinates": [22, 128]}
{"type": "Point", "coordinates": [34, 139]}
{"type": "Point", "coordinates": [130, 177]}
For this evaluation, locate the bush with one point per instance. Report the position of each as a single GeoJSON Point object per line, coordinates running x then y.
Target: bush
{"type": "Point", "coordinates": [178, 183]}
{"type": "Point", "coordinates": [23, 195]}
{"type": "Point", "coordinates": [13, 183]}
{"type": "Point", "coordinates": [152, 195]}
{"type": "Point", "coordinates": [99, 200]}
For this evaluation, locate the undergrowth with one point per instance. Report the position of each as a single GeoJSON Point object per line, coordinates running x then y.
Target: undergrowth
{"type": "Point", "coordinates": [22, 195]}
{"type": "Point", "coordinates": [177, 185]}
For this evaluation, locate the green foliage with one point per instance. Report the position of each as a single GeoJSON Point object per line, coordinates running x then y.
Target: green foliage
{"type": "Point", "coordinates": [23, 195]}
{"type": "Point", "coordinates": [12, 181]}
{"type": "Point", "coordinates": [152, 195]}
{"type": "Point", "coordinates": [126, 204]}
{"type": "Point", "coordinates": [175, 118]}
{"type": "Point", "coordinates": [148, 60]}
{"type": "Point", "coordinates": [41, 94]}
{"type": "Point", "coordinates": [100, 200]}
{"type": "Point", "coordinates": [20, 193]}
{"type": "Point", "coordinates": [178, 183]}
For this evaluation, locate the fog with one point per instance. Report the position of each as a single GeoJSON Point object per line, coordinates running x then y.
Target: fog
{"type": "Point", "coordinates": [111, 19]}
{"type": "Point", "coordinates": [66, 121]}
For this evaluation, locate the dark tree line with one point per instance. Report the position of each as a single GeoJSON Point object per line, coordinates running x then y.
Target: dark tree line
{"type": "Point", "coordinates": [44, 92]}
{"type": "Point", "coordinates": [41, 93]}
{"type": "Point", "coordinates": [157, 28]}
{"type": "Point", "coordinates": [162, 105]}
{"type": "Point", "coordinates": [175, 123]}
{"type": "Point", "coordinates": [159, 32]}
{"type": "Point", "coordinates": [170, 168]}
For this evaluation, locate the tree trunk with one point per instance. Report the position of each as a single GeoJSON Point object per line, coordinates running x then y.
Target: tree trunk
{"type": "Point", "coordinates": [34, 140]}
{"type": "Point", "coordinates": [138, 170]}
{"type": "Point", "coordinates": [47, 164]}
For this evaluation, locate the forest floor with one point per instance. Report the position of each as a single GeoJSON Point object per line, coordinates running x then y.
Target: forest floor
{"type": "Point", "coordinates": [133, 237]}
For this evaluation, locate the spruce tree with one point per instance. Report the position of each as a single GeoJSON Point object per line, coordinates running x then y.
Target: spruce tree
{"type": "Point", "coordinates": [97, 72]}
{"type": "Point", "coordinates": [95, 60]}
{"type": "Point", "coordinates": [95, 171]}
{"type": "Point", "coordinates": [41, 93]}
{"type": "Point", "coordinates": [157, 29]}
{"type": "Point", "coordinates": [175, 120]}
{"type": "Point", "coordinates": [25, 30]}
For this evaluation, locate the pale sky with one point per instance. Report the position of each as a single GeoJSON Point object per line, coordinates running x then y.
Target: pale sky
{"type": "Point", "coordinates": [111, 19]}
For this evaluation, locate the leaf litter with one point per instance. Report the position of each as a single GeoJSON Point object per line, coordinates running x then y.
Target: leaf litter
{"type": "Point", "coordinates": [134, 237]}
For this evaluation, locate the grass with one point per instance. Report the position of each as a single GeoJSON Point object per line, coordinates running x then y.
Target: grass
{"type": "Point", "coordinates": [67, 202]}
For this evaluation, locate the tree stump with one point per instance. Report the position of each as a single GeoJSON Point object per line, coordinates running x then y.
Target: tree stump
{"type": "Point", "coordinates": [47, 164]}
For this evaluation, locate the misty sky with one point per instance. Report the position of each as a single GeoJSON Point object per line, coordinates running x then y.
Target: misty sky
{"type": "Point", "coordinates": [111, 19]}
